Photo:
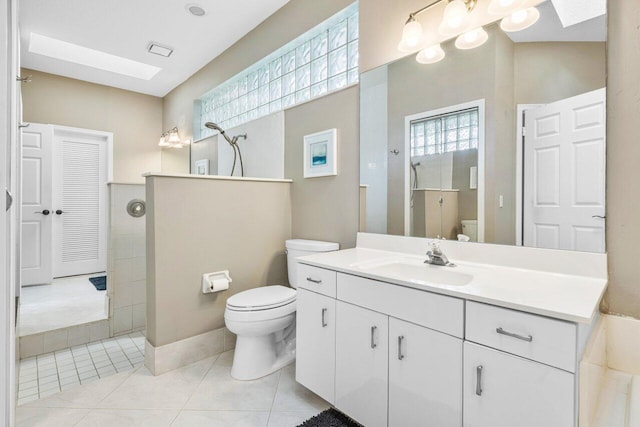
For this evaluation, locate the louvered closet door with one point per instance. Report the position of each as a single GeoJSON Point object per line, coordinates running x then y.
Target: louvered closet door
{"type": "Point", "coordinates": [79, 199]}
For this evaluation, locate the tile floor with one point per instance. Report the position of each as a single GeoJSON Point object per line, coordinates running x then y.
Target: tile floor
{"type": "Point", "coordinates": [47, 374]}
{"type": "Point", "coordinates": [201, 394]}
{"type": "Point", "coordinates": [66, 302]}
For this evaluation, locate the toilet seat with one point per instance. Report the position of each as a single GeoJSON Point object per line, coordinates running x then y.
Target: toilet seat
{"type": "Point", "coordinates": [262, 298]}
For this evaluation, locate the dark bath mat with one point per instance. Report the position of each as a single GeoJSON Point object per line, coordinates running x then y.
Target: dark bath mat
{"type": "Point", "coordinates": [330, 418]}
{"type": "Point", "coordinates": [99, 282]}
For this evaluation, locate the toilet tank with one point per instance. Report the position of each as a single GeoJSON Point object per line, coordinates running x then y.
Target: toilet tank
{"type": "Point", "coordinates": [470, 228]}
{"type": "Point", "coordinates": [301, 247]}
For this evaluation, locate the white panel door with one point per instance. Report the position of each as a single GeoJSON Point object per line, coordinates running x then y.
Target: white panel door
{"type": "Point", "coordinates": [37, 143]}
{"type": "Point", "coordinates": [79, 211]}
{"type": "Point", "coordinates": [316, 343]}
{"type": "Point", "coordinates": [564, 174]}
{"type": "Point", "coordinates": [362, 361]}
{"type": "Point", "coordinates": [425, 377]}
{"type": "Point", "coordinates": [501, 390]}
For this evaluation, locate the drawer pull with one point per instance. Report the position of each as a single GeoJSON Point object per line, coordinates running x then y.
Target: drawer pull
{"type": "Point", "coordinates": [312, 280]}
{"type": "Point", "coordinates": [373, 341]}
{"type": "Point", "coordinates": [501, 331]}
{"type": "Point", "coordinates": [479, 369]}
{"type": "Point", "coordinates": [400, 355]}
{"type": "Point", "coordinates": [324, 321]}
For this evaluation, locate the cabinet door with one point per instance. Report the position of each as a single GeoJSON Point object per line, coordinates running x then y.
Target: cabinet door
{"type": "Point", "coordinates": [316, 343]}
{"type": "Point", "coordinates": [425, 377]}
{"type": "Point", "coordinates": [362, 358]}
{"type": "Point", "coordinates": [502, 390]}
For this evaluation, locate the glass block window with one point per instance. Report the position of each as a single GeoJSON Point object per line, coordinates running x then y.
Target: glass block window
{"type": "Point", "coordinates": [445, 133]}
{"type": "Point", "coordinates": [322, 60]}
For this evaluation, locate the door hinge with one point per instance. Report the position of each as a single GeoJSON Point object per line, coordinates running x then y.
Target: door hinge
{"type": "Point", "coordinates": [9, 199]}
{"type": "Point", "coordinates": [524, 131]}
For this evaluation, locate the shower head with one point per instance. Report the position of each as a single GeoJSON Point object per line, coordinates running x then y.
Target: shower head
{"type": "Point", "coordinates": [214, 126]}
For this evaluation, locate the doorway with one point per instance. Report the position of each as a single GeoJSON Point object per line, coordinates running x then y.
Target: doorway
{"type": "Point", "coordinates": [64, 227]}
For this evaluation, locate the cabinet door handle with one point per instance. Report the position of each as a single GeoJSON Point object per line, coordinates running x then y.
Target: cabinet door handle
{"type": "Point", "coordinates": [312, 280]}
{"type": "Point", "coordinates": [400, 355]}
{"type": "Point", "coordinates": [324, 313]}
{"type": "Point", "coordinates": [373, 341]}
{"type": "Point", "coordinates": [479, 369]}
{"type": "Point", "coordinates": [527, 338]}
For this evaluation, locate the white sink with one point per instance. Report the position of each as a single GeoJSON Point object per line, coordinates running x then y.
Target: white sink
{"type": "Point", "coordinates": [416, 271]}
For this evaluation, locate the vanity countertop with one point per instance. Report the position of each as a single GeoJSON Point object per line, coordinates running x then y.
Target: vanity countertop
{"type": "Point", "coordinates": [562, 296]}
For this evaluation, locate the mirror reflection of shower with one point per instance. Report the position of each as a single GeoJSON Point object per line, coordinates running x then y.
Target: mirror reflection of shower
{"type": "Point", "coordinates": [414, 184]}
{"type": "Point", "coordinates": [233, 141]}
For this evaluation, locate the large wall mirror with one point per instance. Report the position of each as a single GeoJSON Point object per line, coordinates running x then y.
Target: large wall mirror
{"type": "Point", "coordinates": [504, 143]}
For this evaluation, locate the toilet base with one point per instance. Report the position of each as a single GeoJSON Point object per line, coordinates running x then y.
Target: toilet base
{"type": "Point", "coordinates": [257, 357]}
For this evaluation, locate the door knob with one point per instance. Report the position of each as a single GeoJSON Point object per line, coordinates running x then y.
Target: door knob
{"type": "Point", "coordinates": [44, 212]}
{"type": "Point", "coordinates": [59, 212]}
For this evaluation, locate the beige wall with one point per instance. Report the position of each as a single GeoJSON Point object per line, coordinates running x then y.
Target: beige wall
{"type": "Point", "coordinates": [325, 208]}
{"type": "Point", "coordinates": [286, 24]}
{"type": "Point", "coordinates": [559, 70]}
{"type": "Point", "coordinates": [135, 119]}
{"type": "Point", "coordinates": [200, 225]}
{"type": "Point", "coordinates": [623, 152]}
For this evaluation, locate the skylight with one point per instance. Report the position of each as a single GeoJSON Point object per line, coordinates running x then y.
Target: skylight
{"type": "Point", "coordinates": [81, 55]}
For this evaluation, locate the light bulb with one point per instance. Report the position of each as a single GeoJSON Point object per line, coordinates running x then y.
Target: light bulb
{"type": "Point", "coordinates": [502, 7]}
{"type": "Point", "coordinates": [520, 20]}
{"type": "Point", "coordinates": [174, 138]}
{"type": "Point", "coordinates": [455, 19]}
{"type": "Point", "coordinates": [412, 33]}
{"type": "Point", "coordinates": [430, 55]}
{"type": "Point", "coordinates": [472, 39]}
{"type": "Point", "coordinates": [163, 142]}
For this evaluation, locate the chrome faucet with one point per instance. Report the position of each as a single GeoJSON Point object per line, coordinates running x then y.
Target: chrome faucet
{"type": "Point", "coordinates": [437, 257]}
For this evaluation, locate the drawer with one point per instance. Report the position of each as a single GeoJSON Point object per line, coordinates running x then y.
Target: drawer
{"type": "Point", "coordinates": [438, 312]}
{"type": "Point", "coordinates": [317, 279]}
{"type": "Point", "coordinates": [545, 340]}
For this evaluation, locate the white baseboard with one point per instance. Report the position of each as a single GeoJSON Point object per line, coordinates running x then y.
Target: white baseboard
{"type": "Point", "coordinates": [623, 344]}
{"type": "Point", "coordinates": [184, 352]}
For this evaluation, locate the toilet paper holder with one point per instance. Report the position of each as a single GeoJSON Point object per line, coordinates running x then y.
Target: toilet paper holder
{"type": "Point", "coordinates": [216, 281]}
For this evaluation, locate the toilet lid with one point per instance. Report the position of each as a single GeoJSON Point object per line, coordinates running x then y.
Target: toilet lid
{"type": "Point", "coordinates": [262, 298]}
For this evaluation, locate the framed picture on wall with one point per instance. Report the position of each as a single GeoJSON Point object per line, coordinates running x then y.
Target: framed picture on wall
{"type": "Point", "coordinates": [202, 167]}
{"type": "Point", "coordinates": [320, 154]}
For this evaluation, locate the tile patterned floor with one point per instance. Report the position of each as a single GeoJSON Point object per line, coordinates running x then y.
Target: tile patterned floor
{"type": "Point", "coordinates": [201, 394]}
{"type": "Point", "coordinates": [50, 373]}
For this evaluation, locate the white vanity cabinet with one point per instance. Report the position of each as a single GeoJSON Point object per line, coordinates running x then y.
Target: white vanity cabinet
{"type": "Point", "coordinates": [392, 355]}
{"type": "Point", "coordinates": [362, 358]}
{"type": "Point", "coordinates": [503, 390]}
{"type": "Point", "coordinates": [316, 343]}
{"type": "Point", "coordinates": [425, 379]}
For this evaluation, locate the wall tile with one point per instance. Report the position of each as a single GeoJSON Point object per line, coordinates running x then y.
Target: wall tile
{"type": "Point", "coordinates": [122, 319]}
{"type": "Point", "coordinates": [139, 316]}
{"type": "Point", "coordinates": [123, 270]}
{"type": "Point", "coordinates": [31, 345]}
{"type": "Point", "coordinates": [139, 268]}
{"type": "Point", "coordinates": [56, 340]}
{"type": "Point", "coordinates": [123, 295]}
{"type": "Point", "coordinates": [122, 246]}
{"type": "Point", "coordinates": [78, 335]}
{"type": "Point", "coordinates": [99, 330]}
{"type": "Point", "coordinates": [139, 292]}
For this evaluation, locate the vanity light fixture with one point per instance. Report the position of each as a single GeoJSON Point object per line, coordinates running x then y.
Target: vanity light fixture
{"type": "Point", "coordinates": [520, 20]}
{"type": "Point", "coordinates": [503, 7]}
{"type": "Point", "coordinates": [430, 55]}
{"type": "Point", "coordinates": [456, 17]}
{"type": "Point", "coordinates": [456, 21]}
{"type": "Point", "coordinates": [171, 139]}
{"type": "Point", "coordinates": [472, 39]}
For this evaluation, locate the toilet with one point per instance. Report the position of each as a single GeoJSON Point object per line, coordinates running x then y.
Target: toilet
{"type": "Point", "coordinates": [470, 228]}
{"type": "Point", "coordinates": [264, 319]}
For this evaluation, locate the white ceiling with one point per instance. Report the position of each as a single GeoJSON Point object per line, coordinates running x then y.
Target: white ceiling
{"type": "Point", "coordinates": [125, 28]}
{"type": "Point", "coordinates": [549, 28]}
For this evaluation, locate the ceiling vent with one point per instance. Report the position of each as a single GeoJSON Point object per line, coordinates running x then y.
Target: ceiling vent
{"type": "Point", "coordinates": [157, 49]}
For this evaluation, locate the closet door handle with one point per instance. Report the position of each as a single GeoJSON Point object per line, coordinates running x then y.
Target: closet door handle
{"type": "Point", "coordinates": [44, 212]}
{"type": "Point", "coordinates": [400, 355]}
{"type": "Point", "coordinates": [373, 340]}
{"type": "Point", "coordinates": [324, 321]}
{"type": "Point", "coordinates": [59, 212]}
{"type": "Point", "coordinates": [479, 369]}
